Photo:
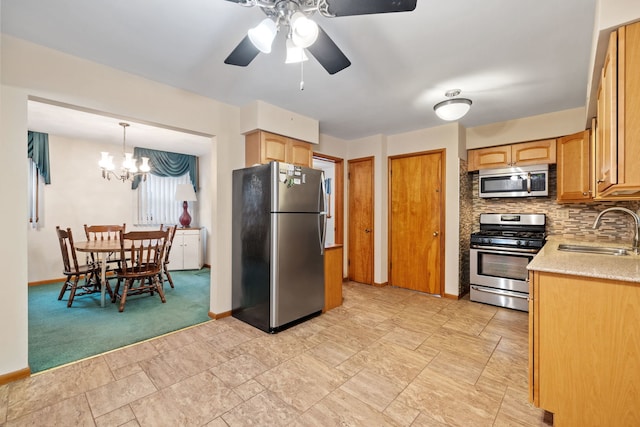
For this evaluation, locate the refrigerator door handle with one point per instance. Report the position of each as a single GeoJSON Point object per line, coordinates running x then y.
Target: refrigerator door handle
{"type": "Point", "coordinates": [322, 218]}
{"type": "Point", "coordinates": [322, 230]}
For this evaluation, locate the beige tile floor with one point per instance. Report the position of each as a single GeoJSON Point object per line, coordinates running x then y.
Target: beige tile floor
{"type": "Point", "coordinates": [386, 357]}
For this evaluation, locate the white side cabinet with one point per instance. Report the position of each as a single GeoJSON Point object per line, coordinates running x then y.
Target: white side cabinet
{"type": "Point", "coordinates": [187, 250]}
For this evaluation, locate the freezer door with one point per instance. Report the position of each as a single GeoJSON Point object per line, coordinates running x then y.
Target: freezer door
{"type": "Point", "coordinates": [297, 268]}
{"type": "Point", "coordinates": [251, 246]}
{"type": "Point", "coordinates": [297, 189]}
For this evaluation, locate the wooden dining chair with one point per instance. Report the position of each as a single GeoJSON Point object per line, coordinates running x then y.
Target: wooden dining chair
{"type": "Point", "coordinates": [74, 271]}
{"type": "Point", "coordinates": [165, 275]}
{"type": "Point", "coordinates": [142, 254]}
{"type": "Point", "coordinates": [105, 232]}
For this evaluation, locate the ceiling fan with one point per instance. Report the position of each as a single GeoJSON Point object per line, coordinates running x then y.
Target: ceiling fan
{"type": "Point", "coordinates": [303, 33]}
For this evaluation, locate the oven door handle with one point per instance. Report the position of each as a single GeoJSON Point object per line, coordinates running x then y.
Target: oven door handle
{"type": "Point", "coordinates": [510, 251]}
{"type": "Point", "coordinates": [529, 182]}
{"type": "Point", "coordinates": [501, 293]}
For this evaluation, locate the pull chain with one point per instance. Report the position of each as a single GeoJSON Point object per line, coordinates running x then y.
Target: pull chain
{"type": "Point", "coordinates": [301, 75]}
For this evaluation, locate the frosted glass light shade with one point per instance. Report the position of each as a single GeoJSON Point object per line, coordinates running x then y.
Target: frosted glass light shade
{"type": "Point", "coordinates": [144, 167]}
{"type": "Point", "coordinates": [263, 34]}
{"type": "Point", "coordinates": [294, 53]}
{"type": "Point", "coordinates": [106, 161]}
{"type": "Point", "coordinates": [452, 109]}
{"type": "Point", "coordinates": [304, 31]}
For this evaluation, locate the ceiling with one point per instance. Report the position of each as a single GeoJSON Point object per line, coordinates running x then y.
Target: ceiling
{"type": "Point", "coordinates": [512, 58]}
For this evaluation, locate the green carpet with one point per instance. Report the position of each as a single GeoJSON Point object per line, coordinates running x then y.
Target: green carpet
{"type": "Point", "coordinates": [59, 335]}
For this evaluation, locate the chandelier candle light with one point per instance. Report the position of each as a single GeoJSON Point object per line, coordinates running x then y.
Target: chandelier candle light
{"type": "Point", "coordinates": [129, 169]}
{"type": "Point", "coordinates": [185, 193]}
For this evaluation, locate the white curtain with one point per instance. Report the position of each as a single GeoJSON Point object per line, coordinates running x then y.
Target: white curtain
{"type": "Point", "coordinates": [156, 200]}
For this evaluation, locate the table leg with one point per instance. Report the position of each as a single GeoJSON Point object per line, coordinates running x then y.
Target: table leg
{"type": "Point", "coordinates": [103, 278]}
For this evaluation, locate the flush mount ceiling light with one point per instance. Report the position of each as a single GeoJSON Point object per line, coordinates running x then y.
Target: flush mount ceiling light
{"type": "Point", "coordinates": [302, 31]}
{"type": "Point", "coordinates": [453, 108]}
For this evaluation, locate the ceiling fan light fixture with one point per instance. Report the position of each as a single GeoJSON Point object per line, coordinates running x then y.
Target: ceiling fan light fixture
{"type": "Point", "coordinates": [295, 54]}
{"type": "Point", "coordinates": [454, 108]}
{"type": "Point", "coordinates": [263, 34]}
{"type": "Point", "coordinates": [304, 31]}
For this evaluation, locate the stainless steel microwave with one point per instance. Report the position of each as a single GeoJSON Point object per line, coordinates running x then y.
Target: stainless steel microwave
{"type": "Point", "coordinates": [524, 181]}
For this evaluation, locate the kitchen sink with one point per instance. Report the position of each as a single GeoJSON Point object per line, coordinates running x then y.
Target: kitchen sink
{"type": "Point", "coordinates": [592, 249]}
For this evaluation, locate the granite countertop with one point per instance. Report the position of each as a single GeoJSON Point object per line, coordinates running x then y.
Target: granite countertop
{"type": "Point", "coordinates": [550, 259]}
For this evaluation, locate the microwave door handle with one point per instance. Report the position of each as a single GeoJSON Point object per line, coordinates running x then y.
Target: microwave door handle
{"type": "Point", "coordinates": [528, 182]}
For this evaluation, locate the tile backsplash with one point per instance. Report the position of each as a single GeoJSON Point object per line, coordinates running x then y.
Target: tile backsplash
{"type": "Point", "coordinates": [569, 220]}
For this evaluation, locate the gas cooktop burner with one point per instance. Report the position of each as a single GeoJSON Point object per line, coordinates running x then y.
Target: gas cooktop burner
{"type": "Point", "coordinates": [510, 230]}
{"type": "Point", "coordinates": [516, 234]}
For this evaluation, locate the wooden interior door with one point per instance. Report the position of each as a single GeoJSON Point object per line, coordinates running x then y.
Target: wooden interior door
{"type": "Point", "coordinates": [361, 220]}
{"type": "Point", "coordinates": [416, 224]}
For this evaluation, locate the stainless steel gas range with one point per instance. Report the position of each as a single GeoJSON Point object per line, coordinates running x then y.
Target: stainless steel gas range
{"type": "Point", "coordinates": [499, 255]}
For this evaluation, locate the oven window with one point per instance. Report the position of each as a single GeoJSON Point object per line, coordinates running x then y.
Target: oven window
{"type": "Point", "coordinates": [503, 266]}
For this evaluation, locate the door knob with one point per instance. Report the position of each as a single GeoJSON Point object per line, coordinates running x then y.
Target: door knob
{"type": "Point", "coordinates": [435, 234]}
{"type": "Point", "coordinates": [367, 230]}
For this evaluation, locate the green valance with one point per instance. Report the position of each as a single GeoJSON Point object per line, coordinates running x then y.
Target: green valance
{"type": "Point", "coordinates": [165, 163]}
{"type": "Point", "coordinates": [38, 151]}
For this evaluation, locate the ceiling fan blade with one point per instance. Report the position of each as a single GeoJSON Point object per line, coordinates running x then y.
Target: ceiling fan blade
{"type": "Point", "coordinates": [243, 54]}
{"type": "Point", "coordinates": [328, 54]}
{"type": "Point", "coordinates": [365, 7]}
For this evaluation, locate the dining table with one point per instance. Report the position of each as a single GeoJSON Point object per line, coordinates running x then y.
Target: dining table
{"type": "Point", "coordinates": [102, 248]}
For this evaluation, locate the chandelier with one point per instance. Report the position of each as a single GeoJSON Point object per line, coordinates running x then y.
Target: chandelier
{"type": "Point", "coordinates": [129, 169]}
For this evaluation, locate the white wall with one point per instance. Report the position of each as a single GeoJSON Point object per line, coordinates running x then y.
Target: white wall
{"type": "Point", "coordinates": [31, 70]}
{"type": "Point", "coordinates": [79, 195]}
{"type": "Point", "coordinates": [13, 259]}
{"type": "Point", "coordinates": [543, 126]}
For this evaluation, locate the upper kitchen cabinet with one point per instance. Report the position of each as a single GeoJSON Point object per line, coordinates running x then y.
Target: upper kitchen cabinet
{"type": "Point", "coordinates": [504, 156]}
{"type": "Point", "coordinates": [263, 147]}
{"type": "Point", "coordinates": [573, 154]}
{"type": "Point", "coordinates": [617, 147]}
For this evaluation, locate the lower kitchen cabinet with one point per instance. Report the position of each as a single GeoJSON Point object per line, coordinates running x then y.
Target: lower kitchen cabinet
{"type": "Point", "coordinates": [187, 249]}
{"type": "Point", "coordinates": [584, 349]}
{"type": "Point", "coordinates": [332, 277]}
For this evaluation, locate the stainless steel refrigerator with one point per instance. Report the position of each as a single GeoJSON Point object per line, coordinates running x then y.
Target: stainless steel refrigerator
{"type": "Point", "coordinates": [278, 232]}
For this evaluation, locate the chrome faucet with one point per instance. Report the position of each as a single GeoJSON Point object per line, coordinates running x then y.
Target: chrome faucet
{"type": "Point", "coordinates": [636, 219]}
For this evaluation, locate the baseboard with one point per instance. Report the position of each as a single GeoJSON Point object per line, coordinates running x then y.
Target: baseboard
{"type": "Point", "coordinates": [46, 282]}
{"type": "Point", "coordinates": [15, 376]}
{"type": "Point", "coordinates": [380, 285]}
{"type": "Point", "coordinates": [219, 315]}
{"type": "Point", "coordinates": [451, 296]}
{"type": "Point", "coordinates": [60, 280]}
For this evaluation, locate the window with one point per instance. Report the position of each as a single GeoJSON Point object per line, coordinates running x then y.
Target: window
{"type": "Point", "coordinates": [156, 200]}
